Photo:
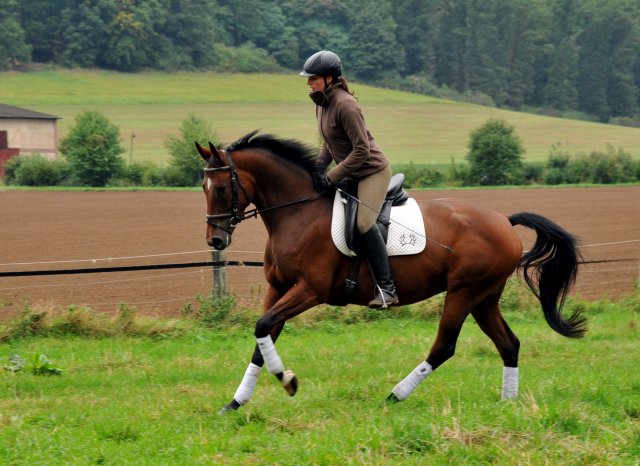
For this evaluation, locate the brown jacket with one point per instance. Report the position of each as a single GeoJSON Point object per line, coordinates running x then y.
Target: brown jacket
{"type": "Point", "coordinates": [346, 138]}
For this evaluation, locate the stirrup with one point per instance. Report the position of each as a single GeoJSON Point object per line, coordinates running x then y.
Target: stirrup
{"type": "Point", "coordinates": [384, 299]}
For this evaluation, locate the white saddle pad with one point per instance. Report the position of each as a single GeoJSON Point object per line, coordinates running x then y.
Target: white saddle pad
{"type": "Point", "coordinates": [406, 232]}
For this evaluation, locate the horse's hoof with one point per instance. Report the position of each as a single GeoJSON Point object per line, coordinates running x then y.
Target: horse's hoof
{"type": "Point", "coordinates": [391, 400]}
{"type": "Point", "coordinates": [233, 406]}
{"type": "Point", "coordinates": [289, 382]}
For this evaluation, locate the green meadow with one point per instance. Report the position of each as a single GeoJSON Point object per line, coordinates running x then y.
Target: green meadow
{"type": "Point", "coordinates": [408, 127]}
{"type": "Point", "coordinates": [140, 401]}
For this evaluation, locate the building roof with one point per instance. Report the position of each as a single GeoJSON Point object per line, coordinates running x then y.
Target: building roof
{"type": "Point", "coordinates": [9, 111]}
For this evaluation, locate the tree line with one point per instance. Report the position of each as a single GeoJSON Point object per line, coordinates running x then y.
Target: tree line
{"type": "Point", "coordinates": [581, 55]}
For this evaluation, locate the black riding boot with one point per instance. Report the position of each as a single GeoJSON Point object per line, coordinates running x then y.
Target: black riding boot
{"type": "Point", "coordinates": [376, 250]}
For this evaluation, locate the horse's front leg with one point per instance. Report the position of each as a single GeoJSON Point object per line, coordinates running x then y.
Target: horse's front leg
{"type": "Point", "coordinates": [296, 300]}
{"type": "Point", "coordinates": [247, 386]}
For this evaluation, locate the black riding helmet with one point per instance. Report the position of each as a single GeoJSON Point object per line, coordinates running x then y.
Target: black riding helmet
{"type": "Point", "coordinates": [323, 63]}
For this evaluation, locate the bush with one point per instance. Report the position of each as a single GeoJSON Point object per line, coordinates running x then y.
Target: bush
{"type": "Point", "coordinates": [213, 311]}
{"type": "Point", "coordinates": [35, 170]}
{"type": "Point", "coordinates": [612, 167]}
{"type": "Point", "coordinates": [10, 168]}
{"type": "Point", "coordinates": [579, 170]}
{"type": "Point", "coordinates": [93, 149]}
{"type": "Point", "coordinates": [554, 176]}
{"type": "Point", "coordinates": [557, 166]}
{"type": "Point", "coordinates": [532, 172]}
{"type": "Point", "coordinates": [185, 161]}
{"type": "Point", "coordinates": [495, 153]}
{"type": "Point", "coordinates": [245, 59]}
{"type": "Point", "coordinates": [422, 177]}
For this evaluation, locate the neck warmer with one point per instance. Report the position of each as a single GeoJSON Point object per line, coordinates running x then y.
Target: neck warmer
{"type": "Point", "coordinates": [322, 98]}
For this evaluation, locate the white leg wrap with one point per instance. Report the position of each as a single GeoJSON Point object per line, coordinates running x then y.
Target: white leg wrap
{"type": "Point", "coordinates": [248, 384]}
{"type": "Point", "coordinates": [509, 383]}
{"type": "Point", "coordinates": [409, 384]}
{"type": "Point", "coordinates": [270, 356]}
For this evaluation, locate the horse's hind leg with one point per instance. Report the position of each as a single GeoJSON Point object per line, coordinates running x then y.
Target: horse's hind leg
{"type": "Point", "coordinates": [487, 315]}
{"type": "Point", "coordinates": [457, 306]}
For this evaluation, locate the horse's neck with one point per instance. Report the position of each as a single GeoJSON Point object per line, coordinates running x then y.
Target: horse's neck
{"type": "Point", "coordinates": [276, 183]}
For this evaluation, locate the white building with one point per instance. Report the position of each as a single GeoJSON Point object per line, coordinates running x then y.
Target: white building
{"type": "Point", "coordinates": [27, 131]}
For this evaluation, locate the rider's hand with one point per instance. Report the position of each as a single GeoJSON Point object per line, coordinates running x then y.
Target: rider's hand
{"type": "Point", "coordinates": [328, 182]}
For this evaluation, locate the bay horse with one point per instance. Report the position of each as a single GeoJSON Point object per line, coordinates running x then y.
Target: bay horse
{"type": "Point", "coordinates": [303, 268]}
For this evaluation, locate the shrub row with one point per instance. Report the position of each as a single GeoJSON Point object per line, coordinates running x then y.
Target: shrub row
{"type": "Point", "coordinates": [36, 170]}
{"type": "Point", "coordinates": [609, 167]}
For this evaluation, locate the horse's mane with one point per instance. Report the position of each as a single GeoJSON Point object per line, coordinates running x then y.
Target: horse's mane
{"type": "Point", "coordinates": [291, 150]}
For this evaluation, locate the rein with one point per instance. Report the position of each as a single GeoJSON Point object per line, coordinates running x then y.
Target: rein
{"type": "Point", "coordinates": [235, 219]}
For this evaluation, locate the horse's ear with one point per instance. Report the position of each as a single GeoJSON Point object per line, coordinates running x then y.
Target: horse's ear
{"type": "Point", "coordinates": [204, 153]}
{"type": "Point", "coordinates": [216, 153]}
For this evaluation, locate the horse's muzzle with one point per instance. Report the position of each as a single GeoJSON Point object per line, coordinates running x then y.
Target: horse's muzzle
{"type": "Point", "coordinates": [219, 244]}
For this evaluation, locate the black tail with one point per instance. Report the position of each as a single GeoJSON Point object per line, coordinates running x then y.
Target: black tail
{"type": "Point", "coordinates": [554, 260]}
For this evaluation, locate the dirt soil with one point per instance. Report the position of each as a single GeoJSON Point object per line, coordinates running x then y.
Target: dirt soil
{"type": "Point", "coordinates": [73, 226]}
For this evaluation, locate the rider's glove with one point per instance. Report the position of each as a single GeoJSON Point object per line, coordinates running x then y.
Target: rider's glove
{"type": "Point", "coordinates": [328, 182]}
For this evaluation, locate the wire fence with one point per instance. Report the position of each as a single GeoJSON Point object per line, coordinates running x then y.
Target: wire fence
{"type": "Point", "coordinates": [213, 266]}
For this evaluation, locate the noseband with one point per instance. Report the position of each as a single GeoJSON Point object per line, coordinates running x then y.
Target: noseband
{"type": "Point", "coordinates": [235, 219]}
{"type": "Point", "coordinates": [235, 179]}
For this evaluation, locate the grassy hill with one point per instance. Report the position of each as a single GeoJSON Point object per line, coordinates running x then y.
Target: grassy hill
{"type": "Point", "coordinates": [407, 126]}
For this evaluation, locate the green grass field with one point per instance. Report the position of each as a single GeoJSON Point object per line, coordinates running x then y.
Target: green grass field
{"type": "Point", "coordinates": [140, 401]}
{"type": "Point", "coordinates": [407, 126]}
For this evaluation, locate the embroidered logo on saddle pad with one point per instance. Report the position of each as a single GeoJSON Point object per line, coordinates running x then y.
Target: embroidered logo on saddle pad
{"type": "Point", "coordinates": [406, 232]}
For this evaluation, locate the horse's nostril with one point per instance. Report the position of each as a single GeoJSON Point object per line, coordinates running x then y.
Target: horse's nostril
{"type": "Point", "coordinates": [217, 243]}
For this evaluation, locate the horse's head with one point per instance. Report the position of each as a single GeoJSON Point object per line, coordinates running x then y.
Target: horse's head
{"type": "Point", "coordinates": [225, 202]}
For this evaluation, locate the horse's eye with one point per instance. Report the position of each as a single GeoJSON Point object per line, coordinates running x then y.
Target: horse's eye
{"type": "Point", "coordinates": [221, 189]}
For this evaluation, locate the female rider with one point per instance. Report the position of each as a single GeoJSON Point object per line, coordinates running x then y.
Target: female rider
{"type": "Point", "coordinates": [348, 142]}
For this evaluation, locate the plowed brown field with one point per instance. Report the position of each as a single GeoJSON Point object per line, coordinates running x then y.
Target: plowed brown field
{"type": "Point", "coordinates": [38, 226]}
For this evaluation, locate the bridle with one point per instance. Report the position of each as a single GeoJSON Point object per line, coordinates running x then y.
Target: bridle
{"type": "Point", "coordinates": [235, 219]}
{"type": "Point", "coordinates": [235, 179]}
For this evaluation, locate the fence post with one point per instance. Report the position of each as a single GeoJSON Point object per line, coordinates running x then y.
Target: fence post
{"type": "Point", "coordinates": [219, 274]}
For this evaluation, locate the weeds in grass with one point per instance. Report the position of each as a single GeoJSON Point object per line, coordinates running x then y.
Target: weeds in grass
{"type": "Point", "coordinates": [85, 322]}
{"type": "Point", "coordinates": [224, 313]}
{"type": "Point", "coordinates": [413, 438]}
{"type": "Point", "coordinates": [117, 432]}
{"type": "Point", "coordinates": [16, 363]}
{"type": "Point", "coordinates": [40, 365]}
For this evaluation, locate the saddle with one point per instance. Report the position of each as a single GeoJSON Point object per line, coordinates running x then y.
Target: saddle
{"type": "Point", "coordinates": [396, 195]}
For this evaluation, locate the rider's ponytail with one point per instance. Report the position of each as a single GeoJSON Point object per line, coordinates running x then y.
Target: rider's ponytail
{"type": "Point", "coordinates": [344, 84]}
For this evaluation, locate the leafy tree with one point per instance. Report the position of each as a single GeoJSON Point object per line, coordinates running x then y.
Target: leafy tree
{"type": "Point", "coordinates": [417, 33]}
{"type": "Point", "coordinates": [131, 34]}
{"type": "Point", "coordinates": [85, 31]}
{"type": "Point", "coordinates": [373, 49]}
{"type": "Point", "coordinates": [318, 26]}
{"type": "Point", "coordinates": [40, 20]}
{"type": "Point", "coordinates": [93, 148]}
{"type": "Point", "coordinates": [185, 160]}
{"type": "Point", "coordinates": [609, 46]}
{"type": "Point", "coordinates": [187, 36]}
{"type": "Point", "coordinates": [495, 153]}
{"type": "Point", "coordinates": [13, 48]}
{"type": "Point", "coordinates": [557, 65]}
